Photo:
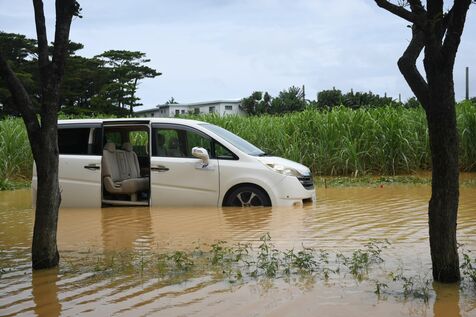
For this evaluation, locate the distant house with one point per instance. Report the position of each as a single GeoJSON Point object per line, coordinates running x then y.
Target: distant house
{"type": "Point", "coordinates": [220, 107]}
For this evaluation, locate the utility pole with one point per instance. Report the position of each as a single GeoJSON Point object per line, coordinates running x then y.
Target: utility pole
{"type": "Point", "coordinates": [467, 83]}
{"type": "Point", "coordinates": [303, 94]}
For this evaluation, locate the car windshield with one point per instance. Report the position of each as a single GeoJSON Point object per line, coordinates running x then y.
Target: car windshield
{"type": "Point", "coordinates": [235, 140]}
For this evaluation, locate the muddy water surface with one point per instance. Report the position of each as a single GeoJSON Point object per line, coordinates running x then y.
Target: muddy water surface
{"type": "Point", "coordinates": [343, 220]}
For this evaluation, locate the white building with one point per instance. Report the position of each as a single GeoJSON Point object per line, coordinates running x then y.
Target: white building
{"type": "Point", "coordinates": [220, 107]}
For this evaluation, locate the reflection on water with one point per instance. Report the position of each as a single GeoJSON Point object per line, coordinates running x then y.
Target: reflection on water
{"type": "Point", "coordinates": [447, 300]}
{"type": "Point", "coordinates": [45, 293]}
{"type": "Point", "coordinates": [343, 219]}
{"type": "Point", "coordinates": [126, 228]}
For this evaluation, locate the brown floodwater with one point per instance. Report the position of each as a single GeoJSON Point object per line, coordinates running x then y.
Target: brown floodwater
{"type": "Point", "coordinates": [343, 220]}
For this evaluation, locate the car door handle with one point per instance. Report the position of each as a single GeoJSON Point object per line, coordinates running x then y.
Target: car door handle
{"type": "Point", "coordinates": [92, 167]}
{"type": "Point", "coordinates": [159, 168]}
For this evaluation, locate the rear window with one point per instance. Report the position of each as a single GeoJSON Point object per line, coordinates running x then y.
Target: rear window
{"type": "Point", "coordinates": [75, 141]}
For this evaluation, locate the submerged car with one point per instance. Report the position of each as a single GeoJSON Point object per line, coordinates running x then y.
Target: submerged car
{"type": "Point", "coordinates": [170, 162]}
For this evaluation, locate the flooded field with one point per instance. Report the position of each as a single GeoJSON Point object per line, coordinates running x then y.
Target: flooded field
{"type": "Point", "coordinates": [111, 265]}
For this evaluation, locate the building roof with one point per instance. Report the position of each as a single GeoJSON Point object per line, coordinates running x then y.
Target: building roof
{"type": "Point", "coordinates": [191, 104]}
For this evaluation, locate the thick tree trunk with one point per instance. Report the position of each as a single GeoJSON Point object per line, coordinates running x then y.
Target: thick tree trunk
{"type": "Point", "coordinates": [439, 34]}
{"type": "Point", "coordinates": [43, 133]}
{"type": "Point", "coordinates": [44, 248]}
{"type": "Point", "coordinates": [443, 206]}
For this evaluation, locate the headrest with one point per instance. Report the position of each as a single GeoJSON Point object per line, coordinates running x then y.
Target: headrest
{"type": "Point", "coordinates": [127, 147]}
{"type": "Point", "coordinates": [110, 147]}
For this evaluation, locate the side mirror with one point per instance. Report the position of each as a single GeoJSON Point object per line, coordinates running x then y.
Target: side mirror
{"type": "Point", "coordinates": [202, 154]}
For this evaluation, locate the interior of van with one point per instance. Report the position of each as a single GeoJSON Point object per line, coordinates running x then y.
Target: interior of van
{"type": "Point", "coordinates": [125, 171]}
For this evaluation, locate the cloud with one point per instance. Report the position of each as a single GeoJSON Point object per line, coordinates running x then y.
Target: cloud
{"type": "Point", "coordinates": [214, 49]}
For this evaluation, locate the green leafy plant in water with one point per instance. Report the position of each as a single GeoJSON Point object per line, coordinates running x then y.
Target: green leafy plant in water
{"type": "Point", "coordinates": [98, 267]}
{"type": "Point", "coordinates": [323, 260]}
{"type": "Point", "coordinates": [374, 248]}
{"type": "Point", "coordinates": [161, 264]}
{"type": "Point", "coordinates": [240, 262]}
{"type": "Point", "coordinates": [181, 260]}
{"type": "Point", "coordinates": [288, 261]}
{"type": "Point", "coordinates": [469, 266]}
{"type": "Point", "coordinates": [416, 287]}
{"type": "Point", "coordinates": [379, 287]}
{"type": "Point", "coordinates": [303, 261]}
{"type": "Point", "coordinates": [361, 259]}
{"type": "Point", "coordinates": [241, 252]}
{"type": "Point", "coordinates": [220, 253]}
{"type": "Point", "coordinates": [268, 257]}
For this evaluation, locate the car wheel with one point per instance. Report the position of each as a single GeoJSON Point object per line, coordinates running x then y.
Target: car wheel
{"type": "Point", "coordinates": [247, 196]}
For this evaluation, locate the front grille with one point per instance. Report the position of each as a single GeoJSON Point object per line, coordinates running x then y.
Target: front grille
{"type": "Point", "coordinates": [306, 182]}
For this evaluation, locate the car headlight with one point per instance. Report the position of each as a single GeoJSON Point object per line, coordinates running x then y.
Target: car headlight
{"type": "Point", "coordinates": [285, 170]}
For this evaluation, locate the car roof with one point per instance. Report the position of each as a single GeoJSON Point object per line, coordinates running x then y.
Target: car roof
{"type": "Point", "coordinates": [132, 120]}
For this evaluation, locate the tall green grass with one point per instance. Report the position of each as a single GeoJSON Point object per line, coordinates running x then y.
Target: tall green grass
{"type": "Point", "coordinates": [341, 141]}
{"type": "Point", "coordinates": [15, 153]}
{"type": "Point", "coordinates": [466, 116]}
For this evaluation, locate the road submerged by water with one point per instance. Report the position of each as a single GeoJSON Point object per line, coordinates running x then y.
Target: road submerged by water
{"type": "Point", "coordinates": [342, 221]}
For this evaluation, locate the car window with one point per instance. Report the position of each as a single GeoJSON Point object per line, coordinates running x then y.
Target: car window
{"type": "Point", "coordinates": [73, 141]}
{"type": "Point", "coordinates": [197, 140]}
{"type": "Point", "coordinates": [139, 141]}
{"type": "Point", "coordinates": [137, 138]}
{"type": "Point", "coordinates": [113, 137]}
{"type": "Point", "coordinates": [177, 142]}
{"type": "Point", "coordinates": [235, 140]}
{"type": "Point", "coordinates": [222, 153]}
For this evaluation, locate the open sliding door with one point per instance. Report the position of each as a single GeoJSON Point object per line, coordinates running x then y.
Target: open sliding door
{"type": "Point", "coordinates": [126, 163]}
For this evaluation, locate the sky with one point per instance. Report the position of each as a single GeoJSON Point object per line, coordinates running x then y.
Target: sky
{"type": "Point", "coordinates": [226, 49]}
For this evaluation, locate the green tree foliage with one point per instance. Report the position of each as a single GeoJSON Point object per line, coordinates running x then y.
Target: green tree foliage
{"type": "Point", "coordinates": [17, 48]}
{"type": "Point", "coordinates": [359, 99]}
{"type": "Point", "coordinates": [171, 101]}
{"type": "Point", "coordinates": [289, 100]}
{"type": "Point", "coordinates": [106, 83]}
{"type": "Point", "coordinates": [334, 97]}
{"type": "Point", "coordinates": [255, 104]}
{"type": "Point", "coordinates": [329, 98]}
{"type": "Point", "coordinates": [125, 70]}
{"type": "Point", "coordinates": [82, 82]}
{"type": "Point", "coordinates": [260, 103]}
{"type": "Point", "coordinates": [292, 100]}
{"type": "Point", "coordinates": [412, 103]}
{"type": "Point", "coordinates": [21, 53]}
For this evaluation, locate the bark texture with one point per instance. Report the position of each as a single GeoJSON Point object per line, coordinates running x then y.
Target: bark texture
{"type": "Point", "coordinates": [438, 34]}
{"type": "Point", "coordinates": [443, 206]}
{"type": "Point", "coordinates": [42, 127]}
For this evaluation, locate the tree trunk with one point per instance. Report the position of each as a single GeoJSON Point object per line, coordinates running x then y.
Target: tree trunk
{"type": "Point", "coordinates": [443, 206]}
{"type": "Point", "coordinates": [438, 32]}
{"type": "Point", "coordinates": [43, 131]}
{"type": "Point", "coordinates": [44, 248]}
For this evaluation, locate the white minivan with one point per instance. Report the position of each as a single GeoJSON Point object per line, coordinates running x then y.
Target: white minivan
{"type": "Point", "coordinates": [171, 162]}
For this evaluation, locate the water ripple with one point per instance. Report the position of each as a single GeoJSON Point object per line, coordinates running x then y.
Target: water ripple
{"type": "Point", "coordinates": [343, 219]}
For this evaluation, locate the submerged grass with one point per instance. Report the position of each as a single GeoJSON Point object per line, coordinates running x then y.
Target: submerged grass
{"type": "Point", "coordinates": [342, 181]}
{"type": "Point", "coordinates": [264, 263]}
